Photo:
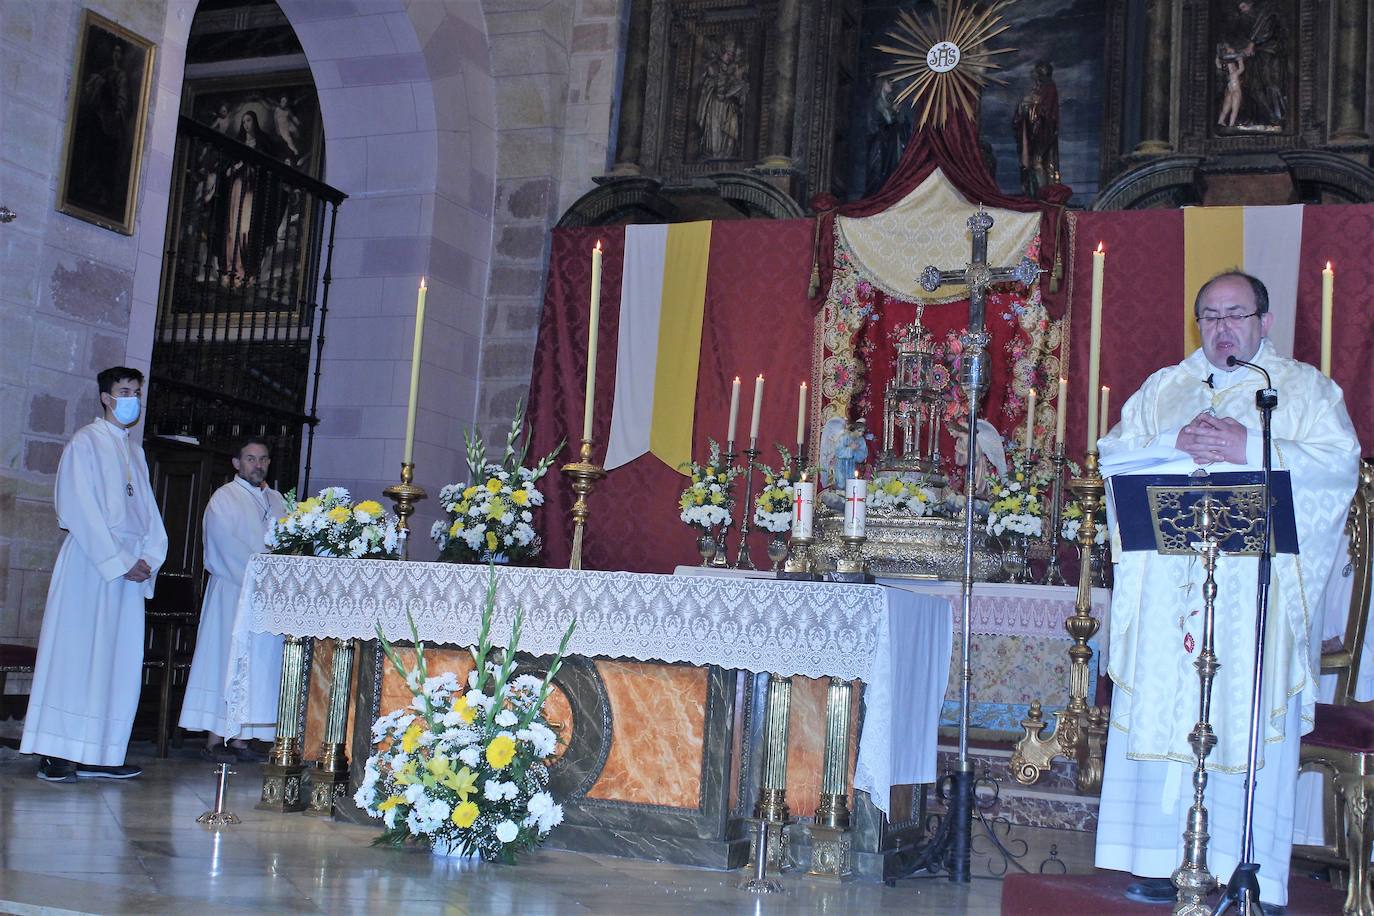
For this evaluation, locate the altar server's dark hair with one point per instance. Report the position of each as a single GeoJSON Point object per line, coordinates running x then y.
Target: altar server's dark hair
{"type": "Point", "coordinates": [1256, 285]}
{"type": "Point", "coordinates": [114, 375]}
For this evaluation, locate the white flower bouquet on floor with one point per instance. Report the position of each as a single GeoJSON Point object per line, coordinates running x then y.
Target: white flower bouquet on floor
{"type": "Point", "coordinates": [462, 768]}
{"type": "Point", "coordinates": [330, 525]}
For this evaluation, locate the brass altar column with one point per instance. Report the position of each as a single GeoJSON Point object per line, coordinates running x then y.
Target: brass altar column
{"type": "Point", "coordinates": [1155, 100]}
{"type": "Point", "coordinates": [283, 776]}
{"type": "Point", "coordinates": [629, 134]}
{"type": "Point", "coordinates": [772, 803]}
{"type": "Point", "coordinates": [1349, 80]}
{"type": "Point", "coordinates": [830, 839]}
{"type": "Point", "coordinates": [784, 103]}
{"type": "Point", "coordinates": [330, 779]}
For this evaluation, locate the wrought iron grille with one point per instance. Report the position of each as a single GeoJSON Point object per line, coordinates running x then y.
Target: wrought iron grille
{"type": "Point", "coordinates": [249, 244]}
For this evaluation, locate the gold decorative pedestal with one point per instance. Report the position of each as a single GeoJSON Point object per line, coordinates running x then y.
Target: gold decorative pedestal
{"type": "Point", "coordinates": [1080, 731]}
{"type": "Point", "coordinates": [283, 776]}
{"type": "Point", "coordinates": [584, 475]}
{"type": "Point", "coordinates": [405, 495]}
{"type": "Point", "coordinates": [830, 839]}
{"type": "Point", "coordinates": [329, 782]}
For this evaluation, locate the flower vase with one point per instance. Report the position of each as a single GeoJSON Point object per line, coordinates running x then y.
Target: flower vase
{"type": "Point", "coordinates": [777, 550]}
{"type": "Point", "coordinates": [452, 848]}
{"type": "Point", "coordinates": [706, 546]}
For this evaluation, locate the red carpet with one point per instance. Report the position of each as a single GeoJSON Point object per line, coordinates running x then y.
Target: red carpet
{"type": "Point", "coordinates": [1101, 893]}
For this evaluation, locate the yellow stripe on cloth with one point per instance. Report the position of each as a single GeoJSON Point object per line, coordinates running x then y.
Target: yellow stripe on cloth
{"type": "Point", "coordinates": [679, 341]}
{"type": "Point", "coordinates": [1213, 241]}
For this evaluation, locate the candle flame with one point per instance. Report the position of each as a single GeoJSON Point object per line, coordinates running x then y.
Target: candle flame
{"type": "Point", "coordinates": [1063, 380]}
{"type": "Point", "coordinates": [760, 376]}
{"type": "Point", "coordinates": [598, 244]}
{"type": "Point", "coordinates": [737, 380]}
{"type": "Point", "coordinates": [422, 283]}
{"type": "Point", "coordinates": [856, 473]}
{"type": "Point", "coordinates": [1328, 265]}
{"type": "Point", "coordinates": [1099, 247]}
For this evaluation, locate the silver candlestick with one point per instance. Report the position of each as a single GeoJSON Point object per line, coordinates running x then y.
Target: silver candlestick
{"type": "Point", "coordinates": [722, 543]}
{"type": "Point", "coordinates": [219, 817]}
{"type": "Point", "coordinates": [751, 454]}
{"type": "Point", "coordinates": [1053, 574]}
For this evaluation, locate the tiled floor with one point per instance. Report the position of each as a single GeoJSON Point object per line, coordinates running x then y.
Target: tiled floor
{"type": "Point", "coordinates": [134, 847]}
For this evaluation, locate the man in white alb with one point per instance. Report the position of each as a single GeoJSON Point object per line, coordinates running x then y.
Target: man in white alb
{"type": "Point", "coordinates": [1207, 412]}
{"type": "Point", "coordinates": [87, 677]}
{"type": "Point", "coordinates": [236, 521]}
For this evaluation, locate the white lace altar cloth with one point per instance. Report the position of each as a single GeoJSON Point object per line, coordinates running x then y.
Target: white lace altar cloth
{"type": "Point", "coordinates": [762, 625]}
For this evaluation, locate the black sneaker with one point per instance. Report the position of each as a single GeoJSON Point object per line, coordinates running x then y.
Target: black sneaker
{"type": "Point", "coordinates": [1152, 890]}
{"type": "Point", "coordinates": [91, 771]}
{"type": "Point", "coordinates": [55, 769]}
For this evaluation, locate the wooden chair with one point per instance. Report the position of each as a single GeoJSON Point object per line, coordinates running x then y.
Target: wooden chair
{"type": "Point", "coordinates": [1342, 743]}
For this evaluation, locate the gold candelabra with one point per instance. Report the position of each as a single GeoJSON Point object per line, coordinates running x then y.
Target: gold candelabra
{"type": "Point", "coordinates": [1080, 729]}
{"type": "Point", "coordinates": [584, 474]}
{"type": "Point", "coordinates": [405, 495]}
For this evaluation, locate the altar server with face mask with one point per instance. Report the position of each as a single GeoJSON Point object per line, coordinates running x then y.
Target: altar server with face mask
{"type": "Point", "coordinates": [90, 652]}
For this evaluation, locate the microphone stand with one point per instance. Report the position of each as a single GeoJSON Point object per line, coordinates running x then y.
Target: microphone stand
{"type": "Point", "coordinates": [1243, 887]}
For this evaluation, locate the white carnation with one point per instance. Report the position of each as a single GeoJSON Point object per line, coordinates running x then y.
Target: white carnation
{"type": "Point", "coordinates": [507, 831]}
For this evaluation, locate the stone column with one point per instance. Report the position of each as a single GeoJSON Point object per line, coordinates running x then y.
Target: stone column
{"type": "Point", "coordinates": [784, 103]}
{"type": "Point", "coordinates": [1154, 107]}
{"type": "Point", "coordinates": [629, 134]}
{"type": "Point", "coordinates": [1349, 80]}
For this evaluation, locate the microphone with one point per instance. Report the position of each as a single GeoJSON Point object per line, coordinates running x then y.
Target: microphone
{"type": "Point", "coordinates": [1233, 362]}
{"type": "Point", "coordinates": [1208, 380]}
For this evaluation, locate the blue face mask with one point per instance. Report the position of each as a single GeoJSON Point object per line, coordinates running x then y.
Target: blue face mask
{"type": "Point", "coordinates": [126, 410]}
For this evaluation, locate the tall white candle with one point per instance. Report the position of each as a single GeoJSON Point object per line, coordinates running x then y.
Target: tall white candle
{"type": "Point", "coordinates": [593, 322]}
{"type": "Point", "coordinates": [758, 404]}
{"type": "Point", "coordinates": [1104, 413]}
{"type": "Point", "coordinates": [1030, 421]}
{"type": "Point", "coordinates": [734, 408]}
{"type": "Point", "coordinates": [413, 405]}
{"type": "Point", "coordinates": [1095, 344]}
{"type": "Point", "coordinates": [855, 506]}
{"type": "Point", "coordinates": [801, 415]}
{"type": "Point", "coordinates": [1328, 288]}
{"type": "Point", "coordinates": [1059, 414]}
{"type": "Point", "coordinates": [803, 508]}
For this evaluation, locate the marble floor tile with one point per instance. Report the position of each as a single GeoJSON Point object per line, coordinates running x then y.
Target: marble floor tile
{"type": "Point", "coordinates": [134, 847]}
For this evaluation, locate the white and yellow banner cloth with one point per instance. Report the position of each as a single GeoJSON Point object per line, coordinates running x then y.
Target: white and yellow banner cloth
{"type": "Point", "coordinates": [662, 301]}
{"type": "Point", "coordinates": [1262, 241]}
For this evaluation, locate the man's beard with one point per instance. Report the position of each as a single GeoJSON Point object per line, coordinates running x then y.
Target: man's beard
{"type": "Point", "coordinates": [255, 477]}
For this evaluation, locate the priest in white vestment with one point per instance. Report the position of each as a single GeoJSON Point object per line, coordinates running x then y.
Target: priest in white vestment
{"type": "Point", "coordinates": [1208, 413]}
{"type": "Point", "coordinates": [89, 669]}
{"type": "Point", "coordinates": [236, 522]}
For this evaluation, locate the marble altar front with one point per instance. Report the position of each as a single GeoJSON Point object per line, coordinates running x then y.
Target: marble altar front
{"type": "Point", "coordinates": [664, 697]}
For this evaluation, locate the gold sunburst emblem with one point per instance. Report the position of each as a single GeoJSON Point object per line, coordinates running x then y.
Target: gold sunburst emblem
{"type": "Point", "coordinates": [943, 63]}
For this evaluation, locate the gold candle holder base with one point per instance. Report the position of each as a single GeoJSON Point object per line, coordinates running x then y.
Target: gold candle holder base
{"type": "Point", "coordinates": [852, 565]}
{"type": "Point", "coordinates": [405, 495]}
{"type": "Point", "coordinates": [1080, 731]}
{"type": "Point", "coordinates": [800, 561]}
{"type": "Point", "coordinates": [584, 474]}
{"type": "Point", "coordinates": [329, 781]}
{"type": "Point", "coordinates": [283, 776]}
{"type": "Point", "coordinates": [831, 852]}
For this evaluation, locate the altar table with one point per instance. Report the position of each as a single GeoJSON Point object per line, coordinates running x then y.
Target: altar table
{"type": "Point", "coordinates": [768, 626]}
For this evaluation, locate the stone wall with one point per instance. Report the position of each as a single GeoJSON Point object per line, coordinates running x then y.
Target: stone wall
{"type": "Point", "coordinates": [74, 298]}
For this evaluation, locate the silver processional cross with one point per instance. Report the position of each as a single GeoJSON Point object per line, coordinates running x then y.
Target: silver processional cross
{"type": "Point", "coordinates": [973, 377]}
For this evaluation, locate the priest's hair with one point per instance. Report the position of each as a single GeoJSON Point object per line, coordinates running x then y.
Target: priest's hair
{"type": "Point", "coordinates": [1256, 286]}
{"type": "Point", "coordinates": [241, 444]}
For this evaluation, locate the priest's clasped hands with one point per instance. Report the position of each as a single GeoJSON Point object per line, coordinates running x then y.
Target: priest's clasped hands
{"type": "Point", "coordinates": [1208, 439]}
{"type": "Point", "coordinates": [139, 572]}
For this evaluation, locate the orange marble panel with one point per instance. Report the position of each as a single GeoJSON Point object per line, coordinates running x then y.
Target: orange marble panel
{"type": "Point", "coordinates": [317, 701]}
{"type": "Point", "coordinates": [658, 733]}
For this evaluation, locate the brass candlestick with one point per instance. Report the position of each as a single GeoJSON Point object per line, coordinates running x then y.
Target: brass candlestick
{"type": "Point", "coordinates": [851, 566]}
{"type": "Point", "coordinates": [1053, 574]}
{"type": "Point", "coordinates": [719, 561]}
{"type": "Point", "coordinates": [405, 495]}
{"type": "Point", "coordinates": [584, 475]}
{"type": "Point", "coordinates": [1080, 729]}
{"type": "Point", "coordinates": [799, 564]}
{"type": "Point", "coordinates": [742, 558]}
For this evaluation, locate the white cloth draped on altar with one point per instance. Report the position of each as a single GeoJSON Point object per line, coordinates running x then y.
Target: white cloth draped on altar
{"type": "Point", "coordinates": [762, 625]}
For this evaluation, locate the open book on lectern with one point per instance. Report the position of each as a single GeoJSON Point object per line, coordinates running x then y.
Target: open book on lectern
{"type": "Point", "coordinates": [1141, 500]}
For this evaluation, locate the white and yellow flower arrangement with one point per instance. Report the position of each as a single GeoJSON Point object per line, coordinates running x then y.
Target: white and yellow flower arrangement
{"type": "Point", "coordinates": [1017, 497]}
{"type": "Point", "coordinates": [330, 525]}
{"type": "Point", "coordinates": [707, 502]}
{"type": "Point", "coordinates": [902, 497]}
{"type": "Point", "coordinates": [773, 506]}
{"type": "Point", "coordinates": [1073, 520]}
{"type": "Point", "coordinates": [463, 768]}
{"type": "Point", "coordinates": [491, 518]}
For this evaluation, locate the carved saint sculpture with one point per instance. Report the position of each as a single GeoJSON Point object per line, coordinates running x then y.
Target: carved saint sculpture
{"type": "Point", "coordinates": [1261, 44]}
{"type": "Point", "coordinates": [889, 129]}
{"type": "Point", "coordinates": [720, 105]}
{"type": "Point", "coordinates": [1036, 125]}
